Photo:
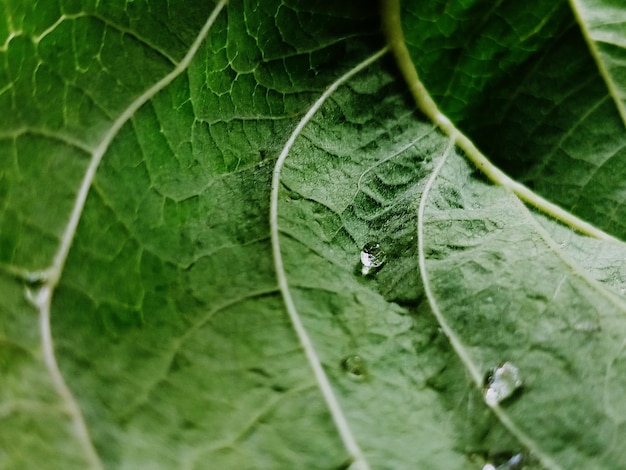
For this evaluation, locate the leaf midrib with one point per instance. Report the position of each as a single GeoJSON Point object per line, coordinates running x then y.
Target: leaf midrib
{"type": "Point", "coordinates": [42, 298]}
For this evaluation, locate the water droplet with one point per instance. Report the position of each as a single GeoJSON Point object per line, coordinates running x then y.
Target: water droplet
{"type": "Point", "coordinates": [513, 463]}
{"type": "Point", "coordinates": [354, 366]}
{"type": "Point", "coordinates": [359, 465]}
{"type": "Point", "coordinates": [372, 258]}
{"type": "Point", "coordinates": [501, 383]}
{"type": "Point", "coordinates": [36, 278]}
{"type": "Point", "coordinates": [586, 326]}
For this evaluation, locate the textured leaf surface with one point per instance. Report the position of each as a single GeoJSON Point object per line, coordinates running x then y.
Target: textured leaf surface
{"type": "Point", "coordinates": [151, 297]}
{"type": "Point", "coordinates": [559, 326]}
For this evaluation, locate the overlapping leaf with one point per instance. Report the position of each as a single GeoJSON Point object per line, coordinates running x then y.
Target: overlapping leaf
{"type": "Point", "coordinates": [528, 70]}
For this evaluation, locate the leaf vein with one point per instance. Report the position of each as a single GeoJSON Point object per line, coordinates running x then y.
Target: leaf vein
{"type": "Point", "coordinates": [323, 382]}
{"type": "Point", "coordinates": [42, 299]}
{"type": "Point", "coordinates": [455, 341]}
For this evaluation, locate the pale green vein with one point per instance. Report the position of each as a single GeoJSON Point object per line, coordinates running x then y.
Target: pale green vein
{"type": "Point", "coordinates": [452, 337]}
{"type": "Point", "coordinates": [575, 268]}
{"type": "Point", "coordinates": [42, 298]}
{"type": "Point", "coordinates": [609, 80]}
{"type": "Point", "coordinates": [393, 155]}
{"type": "Point", "coordinates": [395, 37]}
{"type": "Point", "coordinates": [358, 459]}
{"type": "Point", "coordinates": [100, 150]}
{"type": "Point", "coordinates": [127, 31]}
{"type": "Point", "coordinates": [69, 140]}
{"type": "Point", "coordinates": [56, 24]}
{"type": "Point", "coordinates": [179, 343]}
{"type": "Point", "coordinates": [455, 341]}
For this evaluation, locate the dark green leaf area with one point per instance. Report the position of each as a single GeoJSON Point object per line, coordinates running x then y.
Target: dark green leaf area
{"type": "Point", "coordinates": [357, 183]}
{"type": "Point", "coordinates": [561, 328]}
{"type": "Point", "coordinates": [32, 214]}
{"type": "Point", "coordinates": [522, 82]}
{"type": "Point", "coordinates": [564, 135]}
{"type": "Point", "coordinates": [463, 51]}
{"type": "Point", "coordinates": [268, 61]}
{"type": "Point", "coordinates": [170, 290]}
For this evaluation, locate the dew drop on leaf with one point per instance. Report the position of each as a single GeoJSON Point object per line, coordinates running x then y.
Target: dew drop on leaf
{"type": "Point", "coordinates": [354, 366]}
{"type": "Point", "coordinates": [36, 278]}
{"type": "Point", "coordinates": [372, 258]}
{"type": "Point", "coordinates": [501, 383]}
{"type": "Point", "coordinates": [513, 463]}
{"type": "Point", "coordinates": [358, 465]}
{"type": "Point", "coordinates": [586, 326]}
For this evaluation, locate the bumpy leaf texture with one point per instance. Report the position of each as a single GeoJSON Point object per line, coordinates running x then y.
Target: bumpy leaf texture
{"type": "Point", "coordinates": [185, 190]}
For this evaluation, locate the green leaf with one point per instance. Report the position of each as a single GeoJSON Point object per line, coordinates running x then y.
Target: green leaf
{"type": "Point", "coordinates": [185, 192]}
{"type": "Point", "coordinates": [527, 69]}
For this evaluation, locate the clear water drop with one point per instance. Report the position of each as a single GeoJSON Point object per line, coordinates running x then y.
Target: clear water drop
{"type": "Point", "coordinates": [372, 258]}
{"type": "Point", "coordinates": [586, 326]}
{"type": "Point", "coordinates": [501, 383]}
{"type": "Point", "coordinates": [359, 465]}
{"type": "Point", "coordinates": [354, 366]}
{"type": "Point", "coordinates": [36, 278]}
{"type": "Point", "coordinates": [513, 463]}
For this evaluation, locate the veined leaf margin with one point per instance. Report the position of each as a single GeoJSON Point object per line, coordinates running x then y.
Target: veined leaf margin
{"type": "Point", "coordinates": [49, 278]}
{"type": "Point", "coordinates": [359, 461]}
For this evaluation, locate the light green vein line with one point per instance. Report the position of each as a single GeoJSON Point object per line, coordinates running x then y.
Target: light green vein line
{"type": "Point", "coordinates": [577, 270]}
{"type": "Point", "coordinates": [70, 231]}
{"type": "Point", "coordinates": [395, 37]}
{"type": "Point", "coordinates": [42, 298]}
{"type": "Point", "coordinates": [454, 340]}
{"type": "Point", "coordinates": [358, 459]}
{"type": "Point", "coordinates": [578, 8]}
{"type": "Point", "coordinates": [457, 345]}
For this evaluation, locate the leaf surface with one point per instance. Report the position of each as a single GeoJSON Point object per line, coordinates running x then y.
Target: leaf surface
{"type": "Point", "coordinates": [562, 328]}
{"type": "Point", "coordinates": [185, 191]}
